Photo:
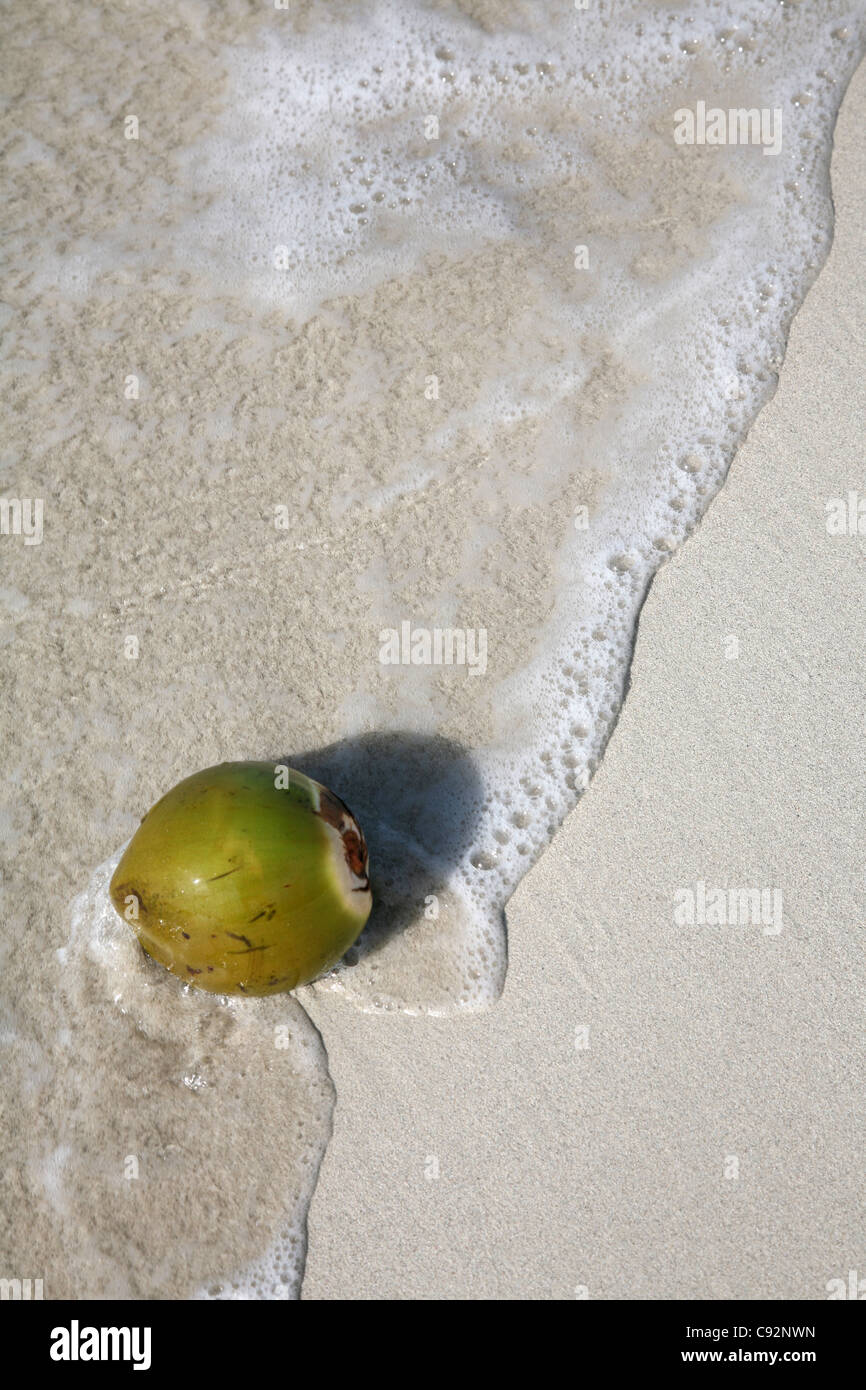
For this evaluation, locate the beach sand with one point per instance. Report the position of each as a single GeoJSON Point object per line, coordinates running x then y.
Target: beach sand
{"type": "Point", "coordinates": [655, 1110]}
{"type": "Point", "coordinates": [650, 1109]}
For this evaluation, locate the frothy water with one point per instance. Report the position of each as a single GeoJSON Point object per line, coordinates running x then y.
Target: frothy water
{"type": "Point", "coordinates": [399, 331]}
{"type": "Point", "coordinates": [232, 1092]}
{"type": "Point", "coordinates": [555, 325]}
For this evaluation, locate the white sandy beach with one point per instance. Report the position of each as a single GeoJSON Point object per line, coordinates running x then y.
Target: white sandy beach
{"type": "Point", "coordinates": [606, 1172]}
{"type": "Point", "coordinates": [329, 320]}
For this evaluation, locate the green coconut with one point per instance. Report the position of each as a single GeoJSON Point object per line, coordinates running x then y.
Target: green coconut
{"type": "Point", "coordinates": [246, 878]}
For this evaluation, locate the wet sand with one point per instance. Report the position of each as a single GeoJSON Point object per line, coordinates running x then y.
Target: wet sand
{"type": "Point", "coordinates": [705, 1137]}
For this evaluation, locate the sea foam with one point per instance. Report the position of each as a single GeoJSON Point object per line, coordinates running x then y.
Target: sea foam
{"type": "Point", "coordinates": [562, 320]}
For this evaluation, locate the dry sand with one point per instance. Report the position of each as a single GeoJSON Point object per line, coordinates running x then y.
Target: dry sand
{"type": "Point", "coordinates": [705, 1137]}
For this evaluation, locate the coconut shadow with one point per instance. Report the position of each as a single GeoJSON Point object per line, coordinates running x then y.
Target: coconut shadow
{"type": "Point", "coordinates": [418, 799]}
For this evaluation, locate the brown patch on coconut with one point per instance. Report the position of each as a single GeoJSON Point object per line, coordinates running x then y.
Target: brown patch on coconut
{"type": "Point", "coordinates": [337, 814]}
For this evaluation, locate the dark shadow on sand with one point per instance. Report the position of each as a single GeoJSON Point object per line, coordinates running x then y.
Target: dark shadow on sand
{"type": "Point", "coordinates": [418, 800]}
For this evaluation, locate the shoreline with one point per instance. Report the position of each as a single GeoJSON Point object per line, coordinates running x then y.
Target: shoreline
{"type": "Point", "coordinates": [653, 1110]}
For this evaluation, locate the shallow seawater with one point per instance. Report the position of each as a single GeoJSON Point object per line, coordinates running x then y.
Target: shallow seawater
{"type": "Point", "coordinates": [342, 340]}
{"type": "Point", "coordinates": [540, 328]}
